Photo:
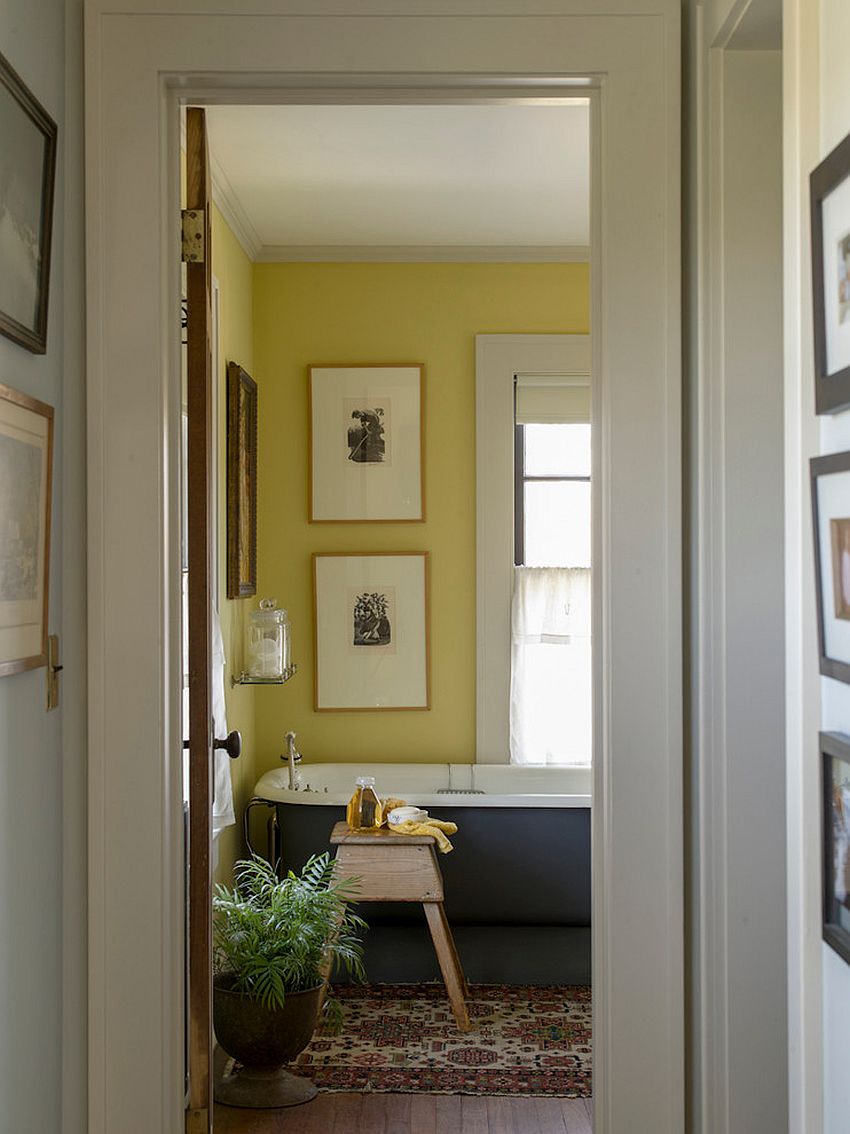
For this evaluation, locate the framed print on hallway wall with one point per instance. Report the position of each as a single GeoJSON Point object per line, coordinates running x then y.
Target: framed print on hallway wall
{"type": "Point", "coordinates": [241, 482]}
{"type": "Point", "coordinates": [27, 176]}
{"type": "Point", "coordinates": [370, 631]}
{"type": "Point", "coordinates": [835, 864]}
{"type": "Point", "coordinates": [366, 443]}
{"type": "Point", "coordinates": [830, 483]}
{"type": "Point", "coordinates": [26, 469]}
{"type": "Point", "coordinates": [829, 193]}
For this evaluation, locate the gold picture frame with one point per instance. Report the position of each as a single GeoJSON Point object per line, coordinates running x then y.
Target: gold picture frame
{"type": "Point", "coordinates": [241, 483]}
{"type": "Point", "coordinates": [26, 476]}
{"type": "Point", "coordinates": [367, 443]}
{"type": "Point", "coordinates": [371, 637]}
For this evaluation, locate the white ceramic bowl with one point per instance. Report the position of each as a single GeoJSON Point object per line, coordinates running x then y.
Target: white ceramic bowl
{"type": "Point", "coordinates": [405, 814]}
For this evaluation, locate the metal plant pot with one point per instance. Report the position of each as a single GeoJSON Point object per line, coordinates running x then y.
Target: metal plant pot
{"type": "Point", "coordinates": [262, 1040]}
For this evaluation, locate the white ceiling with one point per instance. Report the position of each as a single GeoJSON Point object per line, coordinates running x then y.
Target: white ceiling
{"type": "Point", "coordinates": [395, 177]}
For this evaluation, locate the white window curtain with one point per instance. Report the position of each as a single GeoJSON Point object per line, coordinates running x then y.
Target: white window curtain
{"type": "Point", "coordinates": [551, 700]}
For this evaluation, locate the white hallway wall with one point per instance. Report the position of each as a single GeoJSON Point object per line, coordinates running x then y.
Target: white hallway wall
{"type": "Point", "coordinates": [835, 695]}
{"type": "Point", "coordinates": [737, 957]}
{"type": "Point", "coordinates": [42, 773]}
{"type": "Point", "coordinates": [817, 117]}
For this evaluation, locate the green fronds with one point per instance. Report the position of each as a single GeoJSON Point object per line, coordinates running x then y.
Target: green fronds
{"type": "Point", "coordinates": [280, 935]}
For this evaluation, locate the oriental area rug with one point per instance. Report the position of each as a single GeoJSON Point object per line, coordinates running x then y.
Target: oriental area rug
{"type": "Point", "coordinates": [525, 1041]}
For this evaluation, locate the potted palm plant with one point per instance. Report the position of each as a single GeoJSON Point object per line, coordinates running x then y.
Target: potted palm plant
{"type": "Point", "coordinates": [275, 944]}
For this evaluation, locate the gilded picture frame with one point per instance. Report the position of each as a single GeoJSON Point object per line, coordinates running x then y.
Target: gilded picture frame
{"type": "Point", "coordinates": [371, 631]}
{"type": "Point", "coordinates": [241, 483]}
{"type": "Point", "coordinates": [27, 178]}
{"type": "Point", "coordinates": [367, 443]}
{"type": "Point", "coordinates": [26, 475]}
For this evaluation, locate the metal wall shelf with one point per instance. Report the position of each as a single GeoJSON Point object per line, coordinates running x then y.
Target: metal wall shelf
{"type": "Point", "coordinates": [247, 679]}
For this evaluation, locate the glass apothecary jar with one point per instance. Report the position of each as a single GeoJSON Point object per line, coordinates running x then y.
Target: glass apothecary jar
{"type": "Point", "coordinates": [267, 655]}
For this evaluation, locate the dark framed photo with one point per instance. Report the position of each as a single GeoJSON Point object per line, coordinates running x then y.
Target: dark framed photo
{"type": "Point", "coordinates": [27, 177]}
{"type": "Point", "coordinates": [829, 191]}
{"type": "Point", "coordinates": [370, 626]}
{"type": "Point", "coordinates": [835, 867]}
{"type": "Point", "coordinates": [26, 473]}
{"type": "Point", "coordinates": [366, 443]}
{"type": "Point", "coordinates": [241, 483]}
{"type": "Point", "coordinates": [830, 481]}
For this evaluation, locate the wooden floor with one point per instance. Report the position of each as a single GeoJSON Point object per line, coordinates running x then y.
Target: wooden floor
{"type": "Point", "coordinates": [333, 1113]}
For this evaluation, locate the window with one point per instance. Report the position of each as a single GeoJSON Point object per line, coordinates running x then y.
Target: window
{"type": "Point", "coordinates": [540, 382]}
{"type": "Point", "coordinates": [552, 495]}
{"type": "Point", "coordinates": [551, 698]}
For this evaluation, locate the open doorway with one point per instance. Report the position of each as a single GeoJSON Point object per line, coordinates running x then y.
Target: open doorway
{"type": "Point", "coordinates": [350, 238]}
{"type": "Point", "coordinates": [147, 62]}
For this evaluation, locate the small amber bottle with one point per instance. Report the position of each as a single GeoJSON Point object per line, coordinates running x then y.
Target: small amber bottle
{"type": "Point", "coordinates": [364, 811]}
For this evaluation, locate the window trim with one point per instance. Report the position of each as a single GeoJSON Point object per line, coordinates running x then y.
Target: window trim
{"type": "Point", "coordinates": [498, 359]}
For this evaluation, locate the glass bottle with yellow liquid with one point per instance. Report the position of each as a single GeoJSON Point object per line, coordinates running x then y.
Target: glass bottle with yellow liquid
{"type": "Point", "coordinates": [365, 811]}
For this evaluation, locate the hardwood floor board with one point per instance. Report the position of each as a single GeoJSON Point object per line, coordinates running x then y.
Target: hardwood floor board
{"type": "Point", "coordinates": [525, 1117]}
{"type": "Point", "coordinates": [473, 1109]}
{"type": "Point", "coordinates": [499, 1115]}
{"type": "Point", "coordinates": [550, 1116]}
{"type": "Point", "coordinates": [448, 1109]}
{"type": "Point", "coordinates": [423, 1114]}
{"type": "Point", "coordinates": [373, 1113]}
{"type": "Point", "coordinates": [351, 1113]}
{"type": "Point", "coordinates": [349, 1108]}
{"type": "Point", "coordinates": [576, 1117]}
{"type": "Point", "coordinates": [316, 1117]}
{"type": "Point", "coordinates": [398, 1114]}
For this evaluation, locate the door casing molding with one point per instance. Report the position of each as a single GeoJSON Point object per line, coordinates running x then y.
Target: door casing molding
{"type": "Point", "coordinates": [140, 64]}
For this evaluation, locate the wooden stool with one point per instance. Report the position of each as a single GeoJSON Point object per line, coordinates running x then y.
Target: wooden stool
{"type": "Point", "coordinates": [404, 868]}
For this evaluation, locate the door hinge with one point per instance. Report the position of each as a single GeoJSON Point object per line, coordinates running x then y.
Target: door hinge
{"type": "Point", "coordinates": [193, 243]}
{"type": "Point", "coordinates": [197, 1121]}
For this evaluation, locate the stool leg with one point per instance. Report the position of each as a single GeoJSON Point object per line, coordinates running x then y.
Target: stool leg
{"type": "Point", "coordinates": [453, 977]}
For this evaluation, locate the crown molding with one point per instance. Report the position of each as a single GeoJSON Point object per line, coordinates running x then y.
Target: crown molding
{"type": "Point", "coordinates": [230, 207]}
{"type": "Point", "coordinates": [423, 254]}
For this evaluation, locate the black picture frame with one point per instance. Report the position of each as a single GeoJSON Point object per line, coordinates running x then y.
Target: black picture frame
{"type": "Point", "coordinates": [30, 246]}
{"type": "Point", "coordinates": [833, 463]}
{"type": "Point", "coordinates": [835, 831]}
{"type": "Point", "coordinates": [832, 390]}
{"type": "Point", "coordinates": [241, 483]}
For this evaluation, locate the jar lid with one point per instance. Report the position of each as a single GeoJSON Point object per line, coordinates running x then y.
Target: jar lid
{"type": "Point", "coordinates": [268, 612]}
{"type": "Point", "coordinates": [365, 781]}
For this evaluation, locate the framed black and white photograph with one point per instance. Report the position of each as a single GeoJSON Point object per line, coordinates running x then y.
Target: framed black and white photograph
{"type": "Point", "coordinates": [835, 866]}
{"type": "Point", "coordinates": [27, 175]}
{"type": "Point", "coordinates": [830, 482]}
{"type": "Point", "coordinates": [26, 468]}
{"type": "Point", "coordinates": [366, 443]}
{"type": "Point", "coordinates": [830, 223]}
{"type": "Point", "coordinates": [371, 631]}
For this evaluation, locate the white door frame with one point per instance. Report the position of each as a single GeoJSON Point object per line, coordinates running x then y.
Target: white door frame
{"type": "Point", "coordinates": [140, 59]}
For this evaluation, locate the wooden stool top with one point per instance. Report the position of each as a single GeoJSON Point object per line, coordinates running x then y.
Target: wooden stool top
{"type": "Point", "coordinates": [342, 833]}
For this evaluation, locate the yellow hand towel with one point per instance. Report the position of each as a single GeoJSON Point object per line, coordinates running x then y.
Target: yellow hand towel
{"type": "Point", "coordinates": [436, 828]}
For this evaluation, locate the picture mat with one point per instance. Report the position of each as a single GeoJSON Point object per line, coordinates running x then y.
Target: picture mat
{"type": "Point", "coordinates": [343, 489]}
{"type": "Point", "coordinates": [21, 619]}
{"type": "Point", "coordinates": [22, 158]}
{"type": "Point", "coordinates": [835, 213]}
{"type": "Point", "coordinates": [838, 912]}
{"type": "Point", "coordinates": [370, 678]}
{"type": "Point", "coordinates": [833, 491]}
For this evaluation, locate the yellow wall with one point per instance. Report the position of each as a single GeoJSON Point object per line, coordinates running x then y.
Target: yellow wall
{"type": "Point", "coordinates": [361, 313]}
{"type": "Point", "coordinates": [233, 271]}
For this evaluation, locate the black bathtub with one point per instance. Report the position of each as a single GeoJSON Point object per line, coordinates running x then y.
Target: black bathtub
{"type": "Point", "coordinates": [517, 884]}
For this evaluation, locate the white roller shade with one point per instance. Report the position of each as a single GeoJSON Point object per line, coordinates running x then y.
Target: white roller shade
{"type": "Point", "coordinates": [552, 399]}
